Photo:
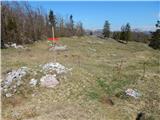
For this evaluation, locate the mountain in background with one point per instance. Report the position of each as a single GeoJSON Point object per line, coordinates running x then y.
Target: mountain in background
{"type": "Point", "coordinates": [98, 32]}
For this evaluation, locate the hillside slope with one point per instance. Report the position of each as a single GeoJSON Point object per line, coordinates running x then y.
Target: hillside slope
{"type": "Point", "coordinates": [101, 71]}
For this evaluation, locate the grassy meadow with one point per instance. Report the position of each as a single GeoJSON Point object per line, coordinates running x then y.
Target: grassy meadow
{"type": "Point", "coordinates": [101, 71]}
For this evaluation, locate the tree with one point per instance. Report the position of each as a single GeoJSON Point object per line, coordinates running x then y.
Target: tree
{"type": "Point", "coordinates": [155, 40]}
{"type": "Point", "coordinates": [125, 32]}
{"type": "Point", "coordinates": [140, 36]}
{"type": "Point", "coordinates": [21, 24]}
{"type": "Point", "coordinates": [71, 22]}
{"type": "Point", "coordinates": [61, 27]}
{"type": "Point", "coordinates": [71, 25]}
{"type": "Point", "coordinates": [30, 22]}
{"type": "Point", "coordinates": [90, 33]}
{"type": "Point", "coordinates": [79, 29]}
{"type": "Point", "coordinates": [122, 34]}
{"type": "Point", "coordinates": [52, 21]}
{"type": "Point", "coordinates": [157, 24]}
{"type": "Point", "coordinates": [116, 35]}
{"type": "Point", "coordinates": [128, 32]}
{"type": "Point", "coordinates": [106, 29]}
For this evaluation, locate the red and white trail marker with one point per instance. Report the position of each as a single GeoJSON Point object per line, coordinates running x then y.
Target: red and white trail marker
{"type": "Point", "coordinates": [53, 39]}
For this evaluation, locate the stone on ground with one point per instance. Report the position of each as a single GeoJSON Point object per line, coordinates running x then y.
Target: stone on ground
{"type": "Point", "coordinates": [49, 81]}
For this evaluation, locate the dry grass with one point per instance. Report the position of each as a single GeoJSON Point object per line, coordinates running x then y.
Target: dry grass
{"type": "Point", "coordinates": [100, 68]}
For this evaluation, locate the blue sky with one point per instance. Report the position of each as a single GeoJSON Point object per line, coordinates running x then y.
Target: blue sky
{"type": "Point", "coordinates": [141, 15]}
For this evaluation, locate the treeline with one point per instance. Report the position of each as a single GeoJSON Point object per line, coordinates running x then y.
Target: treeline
{"type": "Point", "coordinates": [155, 39]}
{"type": "Point", "coordinates": [137, 36]}
{"type": "Point", "coordinates": [22, 24]}
{"type": "Point", "coordinates": [126, 34]}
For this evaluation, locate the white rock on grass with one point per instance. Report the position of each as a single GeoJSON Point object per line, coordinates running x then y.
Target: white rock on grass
{"type": "Point", "coordinates": [8, 94]}
{"type": "Point", "coordinates": [14, 45]}
{"type": "Point", "coordinates": [133, 93]}
{"type": "Point", "coordinates": [58, 48]}
{"type": "Point", "coordinates": [49, 81]}
{"type": "Point", "coordinates": [15, 75]}
{"type": "Point", "coordinates": [12, 80]}
{"type": "Point", "coordinates": [33, 82]}
{"type": "Point", "coordinates": [55, 67]}
{"type": "Point", "coordinates": [6, 45]}
{"type": "Point", "coordinates": [20, 46]}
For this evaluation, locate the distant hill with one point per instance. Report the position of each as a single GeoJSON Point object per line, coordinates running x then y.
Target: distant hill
{"type": "Point", "coordinates": [99, 31]}
{"type": "Point", "coordinates": [96, 32]}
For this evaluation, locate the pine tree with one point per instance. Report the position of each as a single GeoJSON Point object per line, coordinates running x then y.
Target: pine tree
{"type": "Point", "coordinates": [52, 22]}
{"type": "Point", "coordinates": [106, 29]}
{"type": "Point", "coordinates": [125, 32]}
{"type": "Point", "coordinates": [71, 21]}
{"type": "Point", "coordinates": [52, 18]}
{"type": "Point", "coordinates": [155, 40]}
{"type": "Point", "coordinates": [71, 24]}
{"type": "Point", "coordinates": [128, 32]}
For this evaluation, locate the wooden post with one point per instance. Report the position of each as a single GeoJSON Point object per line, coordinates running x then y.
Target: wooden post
{"type": "Point", "coordinates": [53, 35]}
{"type": "Point", "coordinates": [53, 43]}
